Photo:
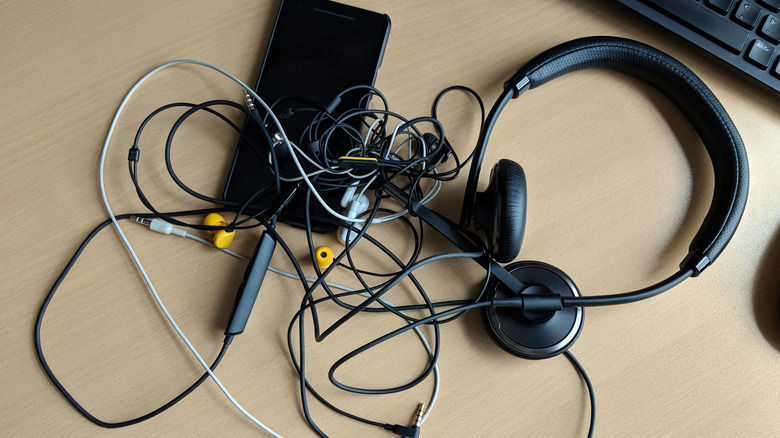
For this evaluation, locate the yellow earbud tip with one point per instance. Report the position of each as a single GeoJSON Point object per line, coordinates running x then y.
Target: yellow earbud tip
{"type": "Point", "coordinates": [324, 256]}
{"type": "Point", "coordinates": [214, 220]}
{"type": "Point", "coordinates": [223, 239]}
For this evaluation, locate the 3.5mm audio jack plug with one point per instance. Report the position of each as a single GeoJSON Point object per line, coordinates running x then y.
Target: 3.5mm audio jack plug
{"type": "Point", "coordinates": [412, 431]}
{"type": "Point", "coordinates": [160, 226]}
{"type": "Point", "coordinates": [418, 419]}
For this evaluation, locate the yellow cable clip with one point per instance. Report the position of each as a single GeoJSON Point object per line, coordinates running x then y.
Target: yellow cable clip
{"type": "Point", "coordinates": [358, 163]}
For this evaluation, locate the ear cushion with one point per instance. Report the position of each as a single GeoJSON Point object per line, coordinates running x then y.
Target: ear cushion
{"type": "Point", "coordinates": [529, 334]}
{"type": "Point", "coordinates": [500, 210]}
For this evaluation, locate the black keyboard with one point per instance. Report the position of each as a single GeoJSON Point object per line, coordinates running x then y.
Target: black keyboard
{"type": "Point", "coordinates": [743, 33]}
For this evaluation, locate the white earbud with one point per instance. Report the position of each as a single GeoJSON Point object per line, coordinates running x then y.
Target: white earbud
{"type": "Point", "coordinates": [346, 198]}
{"type": "Point", "coordinates": [357, 206]}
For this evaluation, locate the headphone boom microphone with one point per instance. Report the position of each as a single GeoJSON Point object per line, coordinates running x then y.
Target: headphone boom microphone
{"type": "Point", "coordinates": [535, 310]}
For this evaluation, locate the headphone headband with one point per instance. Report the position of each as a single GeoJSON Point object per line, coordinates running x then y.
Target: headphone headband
{"type": "Point", "coordinates": [683, 88]}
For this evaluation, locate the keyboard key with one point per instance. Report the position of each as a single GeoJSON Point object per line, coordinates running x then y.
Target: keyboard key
{"type": "Point", "coordinates": [747, 14]}
{"type": "Point", "coordinates": [771, 29]}
{"type": "Point", "coordinates": [721, 6]}
{"type": "Point", "coordinates": [704, 24]}
{"type": "Point", "coordinates": [708, 23]}
{"type": "Point", "coordinates": [760, 53]}
{"type": "Point", "coordinates": [774, 5]}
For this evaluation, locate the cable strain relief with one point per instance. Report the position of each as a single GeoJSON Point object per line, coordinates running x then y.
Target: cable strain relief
{"type": "Point", "coordinates": [404, 431]}
{"type": "Point", "coordinates": [696, 262]}
{"type": "Point", "coordinates": [331, 106]}
{"type": "Point", "coordinates": [518, 301]}
{"type": "Point", "coordinates": [134, 154]}
{"type": "Point", "coordinates": [542, 302]}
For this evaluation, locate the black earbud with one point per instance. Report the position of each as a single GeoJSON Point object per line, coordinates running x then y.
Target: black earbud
{"type": "Point", "coordinates": [439, 151]}
{"type": "Point", "coordinates": [500, 210]}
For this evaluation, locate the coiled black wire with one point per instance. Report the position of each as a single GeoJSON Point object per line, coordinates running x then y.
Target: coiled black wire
{"type": "Point", "coordinates": [410, 171]}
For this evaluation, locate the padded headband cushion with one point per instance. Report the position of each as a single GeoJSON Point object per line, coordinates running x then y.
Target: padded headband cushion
{"type": "Point", "coordinates": [692, 97]}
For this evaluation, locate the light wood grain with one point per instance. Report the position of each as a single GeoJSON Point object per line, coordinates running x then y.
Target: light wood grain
{"type": "Point", "coordinates": [618, 184]}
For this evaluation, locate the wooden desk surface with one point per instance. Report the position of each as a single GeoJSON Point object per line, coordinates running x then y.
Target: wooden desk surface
{"type": "Point", "coordinates": [618, 184]}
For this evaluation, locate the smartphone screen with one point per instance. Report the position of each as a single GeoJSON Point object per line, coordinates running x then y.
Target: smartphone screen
{"type": "Point", "coordinates": [317, 49]}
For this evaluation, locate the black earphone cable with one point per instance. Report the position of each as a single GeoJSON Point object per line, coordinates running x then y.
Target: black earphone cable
{"type": "Point", "coordinates": [297, 267]}
{"type": "Point", "coordinates": [50, 373]}
{"type": "Point", "coordinates": [134, 156]}
{"type": "Point", "coordinates": [418, 241]}
{"type": "Point", "coordinates": [300, 368]}
{"type": "Point", "coordinates": [187, 114]}
{"type": "Point", "coordinates": [591, 395]}
{"type": "Point", "coordinates": [377, 143]}
{"type": "Point", "coordinates": [406, 271]}
{"type": "Point", "coordinates": [465, 308]}
{"type": "Point", "coordinates": [300, 364]}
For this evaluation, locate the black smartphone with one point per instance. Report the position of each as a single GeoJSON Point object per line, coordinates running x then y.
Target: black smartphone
{"type": "Point", "coordinates": [317, 49]}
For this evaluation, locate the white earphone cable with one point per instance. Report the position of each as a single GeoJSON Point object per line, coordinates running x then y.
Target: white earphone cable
{"type": "Point", "coordinates": [423, 339]}
{"type": "Point", "coordinates": [304, 176]}
{"type": "Point", "coordinates": [135, 256]}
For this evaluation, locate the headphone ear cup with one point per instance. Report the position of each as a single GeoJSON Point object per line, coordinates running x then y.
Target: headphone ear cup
{"type": "Point", "coordinates": [500, 210]}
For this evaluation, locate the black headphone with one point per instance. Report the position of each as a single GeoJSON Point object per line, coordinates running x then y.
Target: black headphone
{"type": "Point", "coordinates": [536, 310]}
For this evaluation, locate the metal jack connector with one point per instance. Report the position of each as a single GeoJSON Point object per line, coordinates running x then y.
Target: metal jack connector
{"type": "Point", "coordinates": [418, 416]}
{"type": "Point", "coordinates": [417, 420]}
{"type": "Point", "coordinates": [140, 220]}
{"type": "Point", "coordinates": [249, 100]}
